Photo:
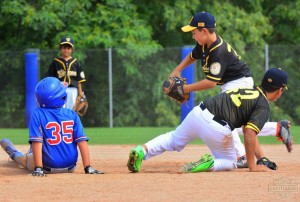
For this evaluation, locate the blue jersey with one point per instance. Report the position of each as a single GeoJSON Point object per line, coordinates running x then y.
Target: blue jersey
{"type": "Point", "coordinates": [59, 129]}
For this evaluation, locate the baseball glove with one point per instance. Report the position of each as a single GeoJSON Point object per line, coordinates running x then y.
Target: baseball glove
{"type": "Point", "coordinates": [265, 161]}
{"type": "Point", "coordinates": [81, 105]}
{"type": "Point", "coordinates": [173, 87]}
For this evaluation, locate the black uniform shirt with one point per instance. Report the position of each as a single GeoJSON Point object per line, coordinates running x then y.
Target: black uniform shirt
{"type": "Point", "coordinates": [220, 62]}
{"type": "Point", "coordinates": [69, 71]}
{"type": "Point", "coordinates": [241, 107]}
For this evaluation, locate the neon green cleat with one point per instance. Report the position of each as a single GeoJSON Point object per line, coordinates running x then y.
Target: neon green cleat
{"type": "Point", "coordinates": [136, 157]}
{"type": "Point", "coordinates": [205, 164]}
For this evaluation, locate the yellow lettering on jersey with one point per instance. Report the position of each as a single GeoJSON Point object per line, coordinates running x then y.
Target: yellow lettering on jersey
{"type": "Point", "coordinates": [72, 73]}
{"type": "Point", "coordinates": [205, 69]}
{"type": "Point", "coordinates": [61, 73]}
{"type": "Point", "coordinates": [237, 97]}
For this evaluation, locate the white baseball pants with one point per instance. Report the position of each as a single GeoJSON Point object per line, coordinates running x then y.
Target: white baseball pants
{"type": "Point", "coordinates": [198, 124]}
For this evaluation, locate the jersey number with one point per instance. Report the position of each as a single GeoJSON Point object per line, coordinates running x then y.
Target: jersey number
{"type": "Point", "coordinates": [60, 132]}
{"type": "Point", "coordinates": [237, 97]}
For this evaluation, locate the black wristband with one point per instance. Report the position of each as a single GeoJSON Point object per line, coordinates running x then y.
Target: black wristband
{"type": "Point", "coordinates": [86, 169]}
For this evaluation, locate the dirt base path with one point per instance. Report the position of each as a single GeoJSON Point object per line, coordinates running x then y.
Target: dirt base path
{"type": "Point", "coordinates": [159, 179]}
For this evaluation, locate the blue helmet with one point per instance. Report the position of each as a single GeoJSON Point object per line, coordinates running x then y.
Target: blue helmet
{"type": "Point", "coordinates": [50, 93]}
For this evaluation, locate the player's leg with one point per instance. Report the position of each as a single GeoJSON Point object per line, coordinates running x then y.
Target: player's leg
{"type": "Point", "coordinates": [245, 82]}
{"type": "Point", "coordinates": [170, 141]}
{"type": "Point", "coordinates": [274, 129]}
{"type": "Point", "coordinates": [269, 129]}
{"type": "Point", "coordinates": [239, 149]}
{"type": "Point", "coordinates": [71, 97]}
{"type": "Point", "coordinates": [219, 140]}
{"type": "Point", "coordinates": [13, 153]}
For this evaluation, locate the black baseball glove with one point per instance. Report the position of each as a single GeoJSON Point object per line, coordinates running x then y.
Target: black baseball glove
{"type": "Point", "coordinates": [265, 161]}
{"type": "Point", "coordinates": [173, 87]}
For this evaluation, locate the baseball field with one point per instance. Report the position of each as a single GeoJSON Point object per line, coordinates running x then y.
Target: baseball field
{"type": "Point", "coordinates": [159, 179]}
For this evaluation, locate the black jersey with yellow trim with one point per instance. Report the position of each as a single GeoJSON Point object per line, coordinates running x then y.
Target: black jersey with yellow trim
{"type": "Point", "coordinates": [69, 71]}
{"type": "Point", "coordinates": [246, 107]}
{"type": "Point", "coordinates": [220, 62]}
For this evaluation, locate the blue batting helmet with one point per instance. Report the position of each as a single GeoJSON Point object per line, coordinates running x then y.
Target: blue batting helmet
{"type": "Point", "coordinates": [50, 93]}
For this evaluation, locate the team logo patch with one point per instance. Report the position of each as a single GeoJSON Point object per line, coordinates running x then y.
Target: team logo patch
{"type": "Point", "coordinates": [82, 75]}
{"type": "Point", "coordinates": [215, 68]}
{"type": "Point", "coordinates": [68, 39]}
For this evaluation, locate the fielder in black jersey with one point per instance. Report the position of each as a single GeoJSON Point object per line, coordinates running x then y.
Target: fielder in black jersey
{"type": "Point", "coordinates": [220, 62]}
{"type": "Point", "coordinates": [213, 121]}
{"type": "Point", "coordinates": [241, 107]}
{"type": "Point", "coordinates": [68, 70]}
{"type": "Point", "coordinates": [221, 65]}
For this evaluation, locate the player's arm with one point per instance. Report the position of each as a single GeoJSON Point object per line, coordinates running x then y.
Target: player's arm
{"type": "Point", "coordinates": [84, 151]}
{"type": "Point", "coordinates": [258, 151]}
{"type": "Point", "coordinates": [201, 85]}
{"type": "Point", "coordinates": [37, 159]}
{"type": "Point", "coordinates": [37, 154]}
{"type": "Point", "coordinates": [182, 65]}
{"type": "Point", "coordinates": [251, 143]}
{"type": "Point", "coordinates": [79, 89]}
{"type": "Point", "coordinates": [85, 155]}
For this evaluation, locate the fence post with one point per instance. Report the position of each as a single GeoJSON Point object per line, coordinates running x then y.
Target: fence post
{"type": "Point", "coordinates": [110, 88]}
{"type": "Point", "coordinates": [266, 57]}
{"type": "Point", "coordinates": [31, 80]}
{"type": "Point", "coordinates": [187, 73]}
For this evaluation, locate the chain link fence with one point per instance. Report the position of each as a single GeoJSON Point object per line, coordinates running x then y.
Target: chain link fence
{"type": "Point", "coordinates": [136, 85]}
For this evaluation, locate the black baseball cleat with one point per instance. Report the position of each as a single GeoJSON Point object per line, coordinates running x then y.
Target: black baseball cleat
{"type": "Point", "coordinates": [283, 134]}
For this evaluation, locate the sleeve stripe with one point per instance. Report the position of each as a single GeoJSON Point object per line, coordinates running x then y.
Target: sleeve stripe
{"type": "Point", "coordinates": [84, 137]}
{"type": "Point", "coordinates": [214, 78]}
{"type": "Point", "coordinates": [253, 127]}
{"type": "Point", "coordinates": [36, 139]}
{"type": "Point", "coordinates": [191, 56]}
{"type": "Point", "coordinates": [82, 81]}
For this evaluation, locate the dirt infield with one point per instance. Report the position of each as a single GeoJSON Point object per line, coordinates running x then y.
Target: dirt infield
{"type": "Point", "coordinates": [159, 180]}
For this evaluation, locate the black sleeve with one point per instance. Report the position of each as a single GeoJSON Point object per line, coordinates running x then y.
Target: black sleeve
{"type": "Point", "coordinates": [197, 52]}
{"type": "Point", "coordinates": [80, 74]}
{"type": "Point", "coordinates": [52, 70]}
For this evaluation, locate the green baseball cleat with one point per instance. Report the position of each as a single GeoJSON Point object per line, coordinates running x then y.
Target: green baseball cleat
{"type": "Point", "coordinates": [136, 157]}
{"type": "Point", "coordinates": [205, 164]}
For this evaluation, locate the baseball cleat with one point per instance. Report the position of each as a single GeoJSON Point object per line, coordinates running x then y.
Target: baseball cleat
{"type": "Point", "coordinates": [136, 157]}
{"type": "Point", "coordinates": [205, 164]}
{"type": "Point", "coordinates": [10, 149]}
{"type": "Point", "coordinates": [242, 162]}
{"type": "Point", "coordinates": [283, 134]}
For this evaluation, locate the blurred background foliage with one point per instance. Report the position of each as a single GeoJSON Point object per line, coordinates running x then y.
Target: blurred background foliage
{"type": "Point", "coordinates": [146, 38]}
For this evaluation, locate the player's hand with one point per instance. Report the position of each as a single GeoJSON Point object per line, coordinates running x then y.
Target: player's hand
{"type": "Point", "coordinates": [39, 172]}
{"type": "Point", "coordinates": [175, 74]}
{"type": "Point", "coordinates": [90, 170]}
{"type": "Point", "coordinates": [260, 168]}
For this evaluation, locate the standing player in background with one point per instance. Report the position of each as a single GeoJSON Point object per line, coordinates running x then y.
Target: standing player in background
{"type": "Point", "coordinates": [213, 121]}
{"type": "Point", "coordinates": [222, 66]}
{"type": "Point", "coordinates": [67, 69]}
{"type": "Point", "coordinates": [54, 134]}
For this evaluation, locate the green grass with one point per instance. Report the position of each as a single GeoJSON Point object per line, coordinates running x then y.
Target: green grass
{"type": "Point", "coordinates": [126, 135]}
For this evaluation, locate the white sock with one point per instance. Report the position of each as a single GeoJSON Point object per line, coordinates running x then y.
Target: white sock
{"type": "Point", "coordinates": [223, 164]}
